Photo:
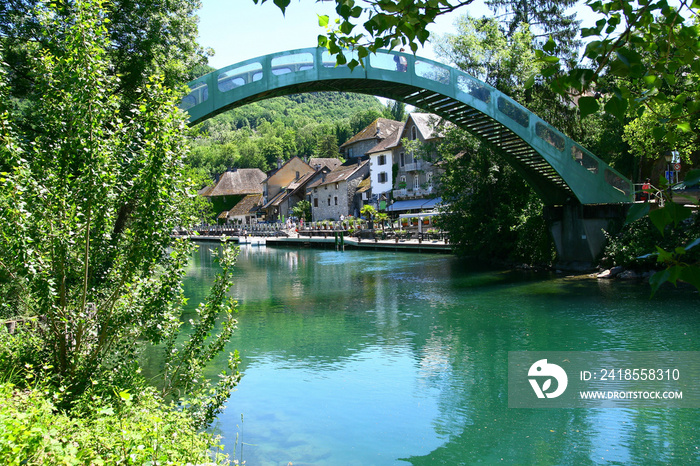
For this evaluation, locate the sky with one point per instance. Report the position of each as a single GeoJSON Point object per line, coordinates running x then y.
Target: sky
{"type": "Point", "coordinates": [239, 29]}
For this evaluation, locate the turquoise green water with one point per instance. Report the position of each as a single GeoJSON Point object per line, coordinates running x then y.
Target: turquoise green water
{"type": "Point", "coordinates": [371, 358]}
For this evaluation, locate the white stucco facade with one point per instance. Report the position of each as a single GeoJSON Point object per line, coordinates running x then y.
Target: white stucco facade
{"type": "Point", "coordinates": [380, 164]}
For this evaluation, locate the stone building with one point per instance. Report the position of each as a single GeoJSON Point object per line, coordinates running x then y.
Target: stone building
{"type": "Point", "coordinates": [286, 186]}
{"type": "Point", "coordinates": [336, 193]}
{"type": "Point", "coordinates": [369, 137]}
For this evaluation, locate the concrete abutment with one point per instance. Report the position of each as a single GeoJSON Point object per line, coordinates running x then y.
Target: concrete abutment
{"type": "Point", "coordinates": [579, 231]}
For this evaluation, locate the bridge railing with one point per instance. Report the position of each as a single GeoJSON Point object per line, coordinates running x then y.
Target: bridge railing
{"type": "Point", "coordinates": [285, 69]}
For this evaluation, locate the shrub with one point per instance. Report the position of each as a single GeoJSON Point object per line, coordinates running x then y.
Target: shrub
{"type": "Point", "coordinates": [142, 431]}
{"type": "Point", "coordinates": [631, 246]}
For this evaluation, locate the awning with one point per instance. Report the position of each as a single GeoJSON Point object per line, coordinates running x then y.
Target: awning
{"type": "Point", "coordinates": [432, 203]}
{"type": "Point", "coordinates": [413, 204]}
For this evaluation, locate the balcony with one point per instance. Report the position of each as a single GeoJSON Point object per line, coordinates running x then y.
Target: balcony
{"type": "Point", "coordinates": [417, 165]}
{"type": "Point", "coordinates": [411, 193]}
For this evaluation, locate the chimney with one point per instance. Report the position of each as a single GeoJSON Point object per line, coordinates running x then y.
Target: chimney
{"type": "Point", "coordinates": [279, 163]}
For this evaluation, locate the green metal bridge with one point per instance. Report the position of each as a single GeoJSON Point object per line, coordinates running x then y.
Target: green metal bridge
{"type": "Point", "coordinates": [557, 168]}
{"type": "Point", "coordinates": [583, 195]}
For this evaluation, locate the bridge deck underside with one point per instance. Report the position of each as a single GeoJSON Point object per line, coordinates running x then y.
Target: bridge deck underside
{"type": "Point", "coordinates": [528, 162]}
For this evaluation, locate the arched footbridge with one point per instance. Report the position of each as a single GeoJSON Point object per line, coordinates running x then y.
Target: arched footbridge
{"type": "Point", "coordinates": [563, 173]}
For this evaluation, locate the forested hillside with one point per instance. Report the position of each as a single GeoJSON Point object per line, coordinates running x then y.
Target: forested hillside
{"type": "Point", "coordinates": [259, 134]}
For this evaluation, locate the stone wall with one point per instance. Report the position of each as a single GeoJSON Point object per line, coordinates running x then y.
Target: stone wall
{"type": "Point", "coordinates": [332, 201]}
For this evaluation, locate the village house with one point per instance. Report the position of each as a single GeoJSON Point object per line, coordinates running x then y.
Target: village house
{"type": "Point", "coordinates": [368, 138]}
{"type": "Point", "coordinates": [231, 187]}
{"type": "Point", "coordinates": [335, 194]}
{"type": "Point", "coordinates": [286, 186]}
{"type": "Point", "coordinates": [381, 161]}
{"type": "Point", "coordinates": [404, 176]}
{"type": "Point", "coordinates": [246, 212]}
{"type": "Point", "coordinates": [417, 171]}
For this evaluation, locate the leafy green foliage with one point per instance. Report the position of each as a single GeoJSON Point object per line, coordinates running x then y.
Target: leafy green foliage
{"type": "Point", "coordinates": [184, 361]}
{"type": "Point", "coordinates": [650, 240]}
{"type": "Point", "coordinates": [256, 135]}
{"type": "Point", "coordinates": [302, 209]}
{"type": "Point", "coordinates": [129, 430]}
{"type": "Point", "coordinates": [146, 38]}
{"type": "Point", "coordinates": [395, 111]}
{"type": "Point", "coordinates": [368, 211]}
{"type": "Point", "coordinates": [497, 218]}
{"type": "Point", "coordinates": [682, 226]}
{"type": "Point", "coordinates": [88, 204]}
{"type": "Point", "coordinates": [549, 20]}
{"type": "Point", "coordinates": [631, 247]}
{"type": "Point", "coordinates": [653, 48]}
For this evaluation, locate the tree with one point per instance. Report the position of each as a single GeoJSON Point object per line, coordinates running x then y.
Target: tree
{"type": "Point", "coordinates": [88, 204]}
{"type": "Point", "coordinates": [368, 211]}
{"type": "Point", "coordinates": [482, 49]}
{"type": "Point", "coordinates": [302, 210]}
{"type": "Point", "coordinates": [395, 110]}
{"type": "Point", "coordinates": [497, 216]}
{"type": "Point", "coordinates": [546, 18]}
{"type": "Point", "coordinates": [647, 55]}
{"type": "Point", "coordinates": [328, 146]}
{"type": "Point", "coordinates": [492, 215]}
{"type": "Point", "coordinates": [146, 37]}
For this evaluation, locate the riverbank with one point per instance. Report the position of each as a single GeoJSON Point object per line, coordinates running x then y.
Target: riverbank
{"type": "Point", "coordinates": [406, 245]}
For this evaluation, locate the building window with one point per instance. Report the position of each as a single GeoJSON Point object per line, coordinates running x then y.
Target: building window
{"type": "Point", "coordinates": [402, 159]}
{"type": "Point", "coordinates": [315, 202]}
{"type": "Point", "coordinates": [414, 133]}
{"type": "Point", "coordinates": [336, 186]}
{"type": "Point", "coordinates": [382, 160]}
{"type": "Point", "coordinates": [416, 182]}
{"type": "Point", "coordinates": [429, 178]}
{"type": "Point", "coordinates": [329, 202]}
{"type": "Point", "coordinates": [382, 177]}
{"type": "Point", "coordinates": [336, 200]}
{"type": "Point", "coordinates": [297, 176]}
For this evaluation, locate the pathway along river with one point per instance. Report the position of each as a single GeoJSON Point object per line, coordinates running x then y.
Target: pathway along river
{"type": "Point", "coordinates": [373, 358]}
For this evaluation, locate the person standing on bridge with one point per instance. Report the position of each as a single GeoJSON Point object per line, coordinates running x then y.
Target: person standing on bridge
{"type": "Point", "coordinates": [401, 63]}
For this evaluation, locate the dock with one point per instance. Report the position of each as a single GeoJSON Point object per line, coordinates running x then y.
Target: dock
{"type": "Point", "coordinates": [408, 245]}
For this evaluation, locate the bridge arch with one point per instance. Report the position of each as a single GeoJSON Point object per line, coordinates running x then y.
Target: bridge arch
{"type": "Point", "coordinates": [561, 171]}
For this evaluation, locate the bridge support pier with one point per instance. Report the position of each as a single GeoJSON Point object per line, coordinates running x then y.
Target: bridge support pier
{"type": "Point", "coordinates": [579, 231]}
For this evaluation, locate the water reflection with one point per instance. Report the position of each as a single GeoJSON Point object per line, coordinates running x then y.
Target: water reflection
{"type": "Point", "coordinates": [374, 358]}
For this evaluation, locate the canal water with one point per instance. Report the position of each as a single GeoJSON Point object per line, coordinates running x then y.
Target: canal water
{"type": "Point", "coordinates": [374, 358]}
